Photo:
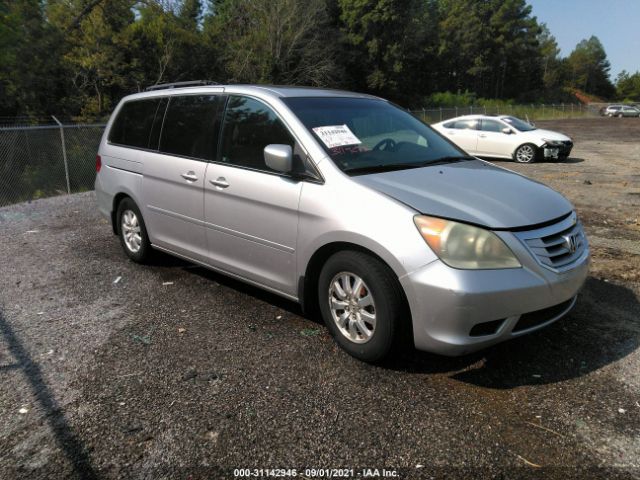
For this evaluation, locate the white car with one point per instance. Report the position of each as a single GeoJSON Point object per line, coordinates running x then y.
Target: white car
{"type": "Point", "coordinates": [504, 136]}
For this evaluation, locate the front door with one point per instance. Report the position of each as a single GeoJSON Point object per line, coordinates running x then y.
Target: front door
{"type": "Point", "coordinates": [251, 211]}
{"type": "Point", "coordinates": [492, 141]}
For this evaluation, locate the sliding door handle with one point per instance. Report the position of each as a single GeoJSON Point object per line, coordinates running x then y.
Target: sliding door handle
{"type": "Point", "coordinates": [189, 176]}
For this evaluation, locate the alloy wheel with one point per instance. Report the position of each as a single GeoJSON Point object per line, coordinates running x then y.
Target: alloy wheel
{"type": "Point", "coordinates": [352, 307]}
{"type": "Point", "coordinates": [525, 154]}
{"type": "Point", "coordinates": [131, 232]}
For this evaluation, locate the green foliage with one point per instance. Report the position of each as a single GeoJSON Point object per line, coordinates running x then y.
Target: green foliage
{"type": "Point", "coordinates": [589, 68]}
{"type": "Point", "coordinates": [628, 86]}
{"type": "Point", "coordinates": [79, 57]}
{"type": "Point", "coordinates": [386, 41]}
{"type": "Point", "coordinates": [282, 42]}
{"type": "Point", "coordinates": [448, 99]}
{"type": "Point", "coordinates": [490, 47]}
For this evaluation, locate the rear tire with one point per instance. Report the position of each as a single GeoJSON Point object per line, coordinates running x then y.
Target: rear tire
{"type": "Point", "coordinates": [132, 231]}
{"type": "Point", "coordinates": [362, 304]}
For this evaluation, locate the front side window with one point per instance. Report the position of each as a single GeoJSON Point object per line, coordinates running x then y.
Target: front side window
{"type": "Point", "coordinates": [132, 127]}
{"type": "Point", "coordinates": [191, 126]}
{"type": "Point", "coordinates": [249, 126]}
{"type": "Point", "coordinates": [491, 126]}
{"type": "Point", "coordinates": [363, 135]}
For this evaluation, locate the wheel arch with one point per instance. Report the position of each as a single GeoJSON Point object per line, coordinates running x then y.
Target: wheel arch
{"type": "Point", "coordinates": [308, 283]}
{"type": "Point", "coordinates": [117, 198]}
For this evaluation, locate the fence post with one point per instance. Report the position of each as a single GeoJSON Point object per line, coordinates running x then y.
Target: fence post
{"type": "Point", "coordinates": [456, 110]}
{"type": "Point", "coordinates": [64, 153]}
{"type": "Point", "coordinates": [440, 113]}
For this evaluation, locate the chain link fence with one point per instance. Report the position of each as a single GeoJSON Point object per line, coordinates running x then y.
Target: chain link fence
{"type": "Point", "coordinates": [48, 159]}
{"type": "Point", "coordinates": [42, 157]}
{"type": "Point", "coordinates": [531, 112]}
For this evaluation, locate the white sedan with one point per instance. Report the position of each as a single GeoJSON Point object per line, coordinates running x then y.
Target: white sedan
{"type": "Point", "coordinates": [504, 136]}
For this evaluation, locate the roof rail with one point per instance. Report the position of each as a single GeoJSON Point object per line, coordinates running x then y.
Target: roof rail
{"type": "Point", "coordinates": [191, 83]}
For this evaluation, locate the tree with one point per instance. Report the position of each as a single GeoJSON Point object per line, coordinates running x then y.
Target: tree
{"type": "Point", "coordinates": [282, 41]}
{"type": "Point", "coordinates": [93, 56]}
{"type": "Point", "coordinates": [489, 47]}
{"type": "Point", "coordinates": [190, 14]}
{"type": "Point", "coordinates": [386, 42]}
{"type": "Point", "coordinates": [628, 86]}
{"type": "Point", "coordinates": [30, 50]}
{"type": "Point", "coordinates": [552, 65]}
{"type": "Point", "coordinates": [589, 68]}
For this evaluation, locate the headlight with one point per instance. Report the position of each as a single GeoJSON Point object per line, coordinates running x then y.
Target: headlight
{"type": "Point", "coordinates": [463, 246]}
{"type": "Point", "coordinates": [552, 143]}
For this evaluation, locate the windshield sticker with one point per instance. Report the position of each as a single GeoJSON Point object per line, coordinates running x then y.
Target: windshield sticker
{"type": "Point", "coordinates": [336, 136]}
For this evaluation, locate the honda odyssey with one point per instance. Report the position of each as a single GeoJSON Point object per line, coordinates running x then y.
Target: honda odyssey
{"type": "Point", "coordinates": [346, 204]}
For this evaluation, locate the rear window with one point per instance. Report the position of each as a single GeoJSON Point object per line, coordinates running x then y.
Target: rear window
{"type": "Point", "coordinates": [132, 126]}
{"type": "Point", "coordinates": [191, 126]}
{"type": "Point", "coordinates": [469, 124]}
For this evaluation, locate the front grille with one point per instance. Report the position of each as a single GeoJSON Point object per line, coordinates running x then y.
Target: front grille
{"type": "Point", "coordinates": [558, 246]}
{"type": "Point", "coordinates": [533, 319]}
{"type": "Point", "coordinates": [566, 148]}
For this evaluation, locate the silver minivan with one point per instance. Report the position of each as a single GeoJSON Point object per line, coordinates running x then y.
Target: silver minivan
{"type": "Point", "coordinates": [346, 204]}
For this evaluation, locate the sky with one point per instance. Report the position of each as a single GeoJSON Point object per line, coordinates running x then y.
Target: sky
{"type": "Point", "coordinates": [615, 22]}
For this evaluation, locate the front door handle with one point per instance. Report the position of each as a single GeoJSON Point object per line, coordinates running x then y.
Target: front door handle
{"type": "Point", "coordinates": [220, 182]}
{"type": "Point", "coordinates": [189, 176]}
{"type": "Point", "coordinates": [482, 135]}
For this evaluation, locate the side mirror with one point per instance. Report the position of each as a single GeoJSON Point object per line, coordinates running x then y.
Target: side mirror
{"type": "Point", "coordinates": [279, 157]}
{"type": "Point", "coordinates": [507, 131]}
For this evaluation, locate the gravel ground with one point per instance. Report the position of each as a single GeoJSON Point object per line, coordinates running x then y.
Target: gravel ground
{"type": "Point", "coordinates": [177, 372]}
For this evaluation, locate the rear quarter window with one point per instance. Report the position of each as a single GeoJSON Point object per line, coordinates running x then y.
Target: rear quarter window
{"type": "Point", "coordinates": [133, 124]}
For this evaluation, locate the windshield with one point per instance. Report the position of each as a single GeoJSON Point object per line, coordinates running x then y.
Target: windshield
{"type": "Point", "coordinates": [519, 124]}
{"type": "Point", "coordinates": [363, 135]}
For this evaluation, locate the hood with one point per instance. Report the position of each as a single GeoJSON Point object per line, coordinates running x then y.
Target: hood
{"type": "Point", "coordinates": [471, 191]}
{"type": "Point", "coordinates": [549, 134]}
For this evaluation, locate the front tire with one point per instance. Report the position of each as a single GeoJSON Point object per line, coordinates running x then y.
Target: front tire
{"type": "Point", "coordinates": [525, 153]}
{"type": "Point", "coordinates": [132, 231]}
{"type": "Point", "coordinates": [362, 305]}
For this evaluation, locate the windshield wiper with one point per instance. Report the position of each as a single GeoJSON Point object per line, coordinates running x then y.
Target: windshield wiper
{"type": "Point", "coordinates": [382, 168]}
{"type": "Point", "coordinates": [403, 166]}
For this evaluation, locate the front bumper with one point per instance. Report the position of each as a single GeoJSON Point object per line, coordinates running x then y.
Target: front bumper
{"type": "Point", "coordinates": [456, 312]}
{"type": "Point", "coordinates": [555, 151]}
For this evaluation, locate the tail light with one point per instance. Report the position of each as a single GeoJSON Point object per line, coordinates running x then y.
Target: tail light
{"type": "Point", "coordinates": [98, 163]}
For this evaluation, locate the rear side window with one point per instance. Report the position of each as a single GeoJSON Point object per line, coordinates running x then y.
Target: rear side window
{"type": "Point", "coordinates": [132, 126]}
{"type": "Point", "coordinates": [191, 126]}
{"type": "Point", "coordinates": [465, 124]}
{"type": "Point", "coordinates": [249, 126]}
